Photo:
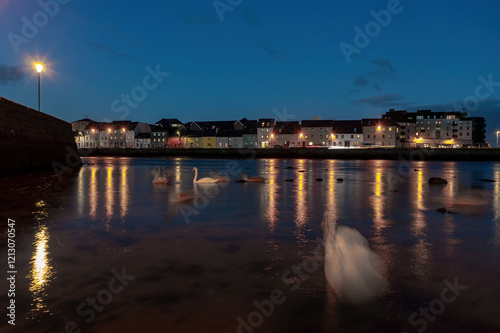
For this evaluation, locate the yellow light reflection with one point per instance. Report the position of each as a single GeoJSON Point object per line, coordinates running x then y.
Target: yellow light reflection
{"type": "Point", "coordinates": [331, 208]}
{"type": "Point", "coordinates": [93, 194]}
{"type": "Point", "coordinates": [109, 195]}
{"type": "Point", "coordinates": [124, 192]}
{"type": "Point", "coordinates": [300, 202]}
{"type": "Point", "coordinates": [421, 250]}
{"type": "Point", "coordinates": [419, 223]}
{"type": "Point", "coordinates": [41, 270]}
{"type": "Point", "coordinates": [378, 202]}
{"type": "Point", "coordinates": [272, 211]}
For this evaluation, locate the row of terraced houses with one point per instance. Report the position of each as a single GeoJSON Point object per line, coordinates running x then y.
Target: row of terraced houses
{"type": "Point", "coordinates": [393, 130]}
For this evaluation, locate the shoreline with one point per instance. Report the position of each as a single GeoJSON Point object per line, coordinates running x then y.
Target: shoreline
{"type": "Point", "coordinates": [436, 154]}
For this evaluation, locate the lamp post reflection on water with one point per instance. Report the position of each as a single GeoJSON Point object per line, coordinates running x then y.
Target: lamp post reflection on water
{"type": "Point", "coordinates": [41, 270]}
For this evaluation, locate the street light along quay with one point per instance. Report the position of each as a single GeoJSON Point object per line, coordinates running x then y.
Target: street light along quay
{"type": "Point", "coordinates": [497, 137]}
{"type": "Point", "coordinates": [39, 68]}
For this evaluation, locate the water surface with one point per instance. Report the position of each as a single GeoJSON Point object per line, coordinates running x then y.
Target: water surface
{"type": "Point", "coordinates": [201, 265]}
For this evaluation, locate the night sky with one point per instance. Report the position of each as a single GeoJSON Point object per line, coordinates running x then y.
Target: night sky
{"type": "Point", "coordinates": [262, 56]}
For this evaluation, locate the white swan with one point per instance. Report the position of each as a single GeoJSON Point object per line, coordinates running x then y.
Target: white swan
{"type": "Point", "coordinates": [206, 180]}
{"type": "Point", "coordinates": [352, 270]}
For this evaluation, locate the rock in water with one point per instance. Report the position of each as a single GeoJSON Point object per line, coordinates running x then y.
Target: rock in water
{"type": "Point", "coordinates": [437, 181]}
{"type": "Point", "coordinates": [487, 180]}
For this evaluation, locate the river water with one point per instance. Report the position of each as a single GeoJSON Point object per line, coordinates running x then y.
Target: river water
{"type": "Point", "coordinates": [106, 250]}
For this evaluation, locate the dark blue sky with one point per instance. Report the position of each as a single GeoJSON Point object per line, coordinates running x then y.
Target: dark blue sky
{"type": "Point", "coordinates": [263, 55]}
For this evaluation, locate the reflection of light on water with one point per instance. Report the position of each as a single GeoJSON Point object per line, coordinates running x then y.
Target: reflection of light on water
{"type": "Point", "coordinates": [496, 207]}
{"type": "Point", "coordinates": [419, 224]}
{"type": "Point", "coordinates": [124, 189]}
{"type": "Point", "coordinates": [93, 195]}
{"type": "Point", "coordinates": [300, 201]}
{"type": "Point", "coordinates": [41, 213]}
{"type": "Point", "coordinates": [272, 211]}
{"type": "Point", "coordinates": [378, 202]}
{"type": "Point", "coordinates": [109, 194]}
{"type": "Point", "coordinates": [177, 183]}
{"type": "Point", "coordinates": [81, 191]}
{"type": "Point", "coordinates": [451, 182]}
{"type": "Point", "coordinates": [420, 251]}
{"type": "Point", "coordinates": [331, 208]}
{"type": "Point", "coordinates": [41, 270]}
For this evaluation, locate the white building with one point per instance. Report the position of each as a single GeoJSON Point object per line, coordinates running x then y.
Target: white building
{"type": "Point", "coordinates": [381, 133]}
{"type": "Point", "coordinates": [347, 133]}
{"type": "Point", "coordinates": [265, 127]}
{"type": "Point", "coordinates": [316, 132]}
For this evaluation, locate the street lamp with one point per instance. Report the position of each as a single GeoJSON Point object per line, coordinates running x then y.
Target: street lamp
{"type": "Point", "coordinates": [331, 136]}
{"type": "Point", "coordinates": [272, 137]}
{"type": "Point", "coordinates": [39, 68]}
{"type": "Point", "coordinates": [497, 137]}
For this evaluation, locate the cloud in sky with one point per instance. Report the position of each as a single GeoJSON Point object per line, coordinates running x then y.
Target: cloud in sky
{"type": "Point", "coordinates": [10, 74]}
{"type": "Point", "coordinates": [386, 100]}
{"type": "Point", "coordinates": [123, 37]}
{"type": "Point", "coordinates": [109, 50]}
{"type": "Point", "coordinates": [251, 18]}
{"type": "Point", "coordinates": [383, 71]}
{"type": "Point", "coordinates": [487, 106]}
{"type": "Point", "coordinates": [361, 81]}
{"type": "Point", "coordinates": [273, 54]}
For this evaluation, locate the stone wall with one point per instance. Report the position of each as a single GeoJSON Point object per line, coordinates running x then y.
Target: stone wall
{"type": "Point", "coordinates": [33, 141]}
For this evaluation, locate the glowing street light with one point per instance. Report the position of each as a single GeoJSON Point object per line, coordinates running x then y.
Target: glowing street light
{"type": "Point", "coordinates": [39, 68]}
{"type": "Point", "coordinates": [272, 137]}
{"type": "Point", "coordinates": [498, 132]}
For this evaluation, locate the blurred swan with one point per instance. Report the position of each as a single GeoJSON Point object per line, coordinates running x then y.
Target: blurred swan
{"type": "Point", "coordinates": [468, 202]}
{"type": "Point", "coordinates": [255, 179]}
{"type": "Point", "coordinates": [205, 180]}
{"type": "Point", "coordinates": [352, 270]}
{"type": "Point", "coordinates": [185, 196]}
{"type": "Point", "coordinates": [159, 176]}
{"type": "Point", "coordinates": [218, 177]}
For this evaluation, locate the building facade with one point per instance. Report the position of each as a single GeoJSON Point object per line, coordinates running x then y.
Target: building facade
{"type": "Point", "coordinates": [316, 132]}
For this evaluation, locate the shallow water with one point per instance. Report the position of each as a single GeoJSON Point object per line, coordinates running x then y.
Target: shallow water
{"type": "Point", "coordinates": [210, 263]}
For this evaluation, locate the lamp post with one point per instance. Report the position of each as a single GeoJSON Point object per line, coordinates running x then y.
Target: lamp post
{"type": "Point", "coordinates": [498, 132]}
{"type": "Point", "coordinates": [301, 136]}
{"type": "Point", "coordinates": [39, 68]}
{"type": "Point", "coordinates": [272, 137]}
{"type": "Point", "coordinates": [331, 142]}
